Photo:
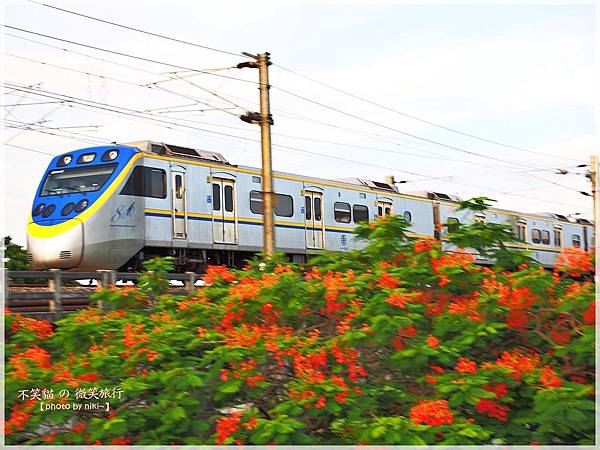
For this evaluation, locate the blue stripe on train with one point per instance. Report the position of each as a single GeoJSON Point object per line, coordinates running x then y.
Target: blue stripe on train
{"type": "Point", "coordinates": [244, 222]}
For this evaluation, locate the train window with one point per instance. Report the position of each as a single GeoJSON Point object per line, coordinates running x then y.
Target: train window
{"type": "Point", "coordinates": [284, 205]}
{"type": "Point", "coordinates": [216, 197]}
{"type": "Point", "coordinates": [379, 211]}
{"type": "Point", "coordinates": [317, 208]}
{"type": "Point", "coordinates": [341, 212]}
{"type": "Point", "coordinates": [388, 211]}
{"type": "Point", "coordinates": [155, 183]}
{"type": "Point", "coordinates": [307, 208]}
{"type": "Point", "coordinates": [362, 195]}
{"type": "Point", "coordinates": [557, 238]}
{"type": "Point", "coordinates": [520, 231]}
{"type": "Point", "coordinates": [407, 216]}
{"type": "Point", "coordinates": [536, 236]}
{"type": "Point", "coordinates": [146, 182]}
{"type": "Point", "coordinates": [256, 180]}
{"type": "Point", "coordinates": [360, 213]}
{"type": "Point", "coordinates": [479, 218]}
{"type": "Point", "coordinates": [256, 202]}
{"type": "Point", "coordinates": [452, 223]}
{"type": "Point", "coordinates": [576, 240]}
{"type": "Point", "coordinates": [77, 179]}
{"type": "Point", "coordinates": [228, 194]}
{"type": "Point", "coordinates": [545, 237]}
{"type": "Point", "coordinates": [178, 186]}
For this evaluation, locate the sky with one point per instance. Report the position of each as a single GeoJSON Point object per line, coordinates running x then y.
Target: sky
{"type": "Point", "coordinates": [519, 75]}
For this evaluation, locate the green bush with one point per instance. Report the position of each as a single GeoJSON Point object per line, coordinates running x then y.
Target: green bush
{"type": "Point", "coordinates": [400, 343]}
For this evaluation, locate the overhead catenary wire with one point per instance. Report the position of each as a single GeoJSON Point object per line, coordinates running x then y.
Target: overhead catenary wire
{"type": "Point", "coordinates": [134, 84]}
{"type": "Point", "coordinates": [139, 58]}
{"type": "Point", "coordinates": [150, 33]}
{"type": "Point", "coordinates": [425, 177]}
{"type": "Point", "coordinates": [372, 122]}
{"type": "Point", "coordinates": [377, 136]}
{"type": "Point", "coordinates": [105, 77]}
{"type": "Point", "coordinates": [419, 119]}
{"type": "Point", "coordinates": [33, 126]}
{"type": "Point", "coordinates": [154, 85]}
{"type": "Point", "coordinates": [29, 149]}
{"type": "Point", "coordinates": [287, 92]}
{"type": "Point", "coordinates": [128, 111]}
{"type": "Point", "coordinates": [315, 154]}
{"type": "Point", "coordinates": [296, 73]}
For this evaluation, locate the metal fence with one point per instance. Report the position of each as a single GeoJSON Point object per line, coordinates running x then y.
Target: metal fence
{"type": "Point", "coordinates": [52, 294]}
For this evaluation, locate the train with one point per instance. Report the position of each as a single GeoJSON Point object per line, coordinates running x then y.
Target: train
{"type": "Point", "coordinates": [114, 206]}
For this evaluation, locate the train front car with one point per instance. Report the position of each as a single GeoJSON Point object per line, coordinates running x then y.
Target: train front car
{"type": "Point", "coordinates": [77, 220]}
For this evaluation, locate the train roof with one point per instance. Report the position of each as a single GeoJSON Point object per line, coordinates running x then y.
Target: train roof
{"type": "Point", "coordinates": [164, 149]}
{"type": "Point", "coordinates": [160, 148]}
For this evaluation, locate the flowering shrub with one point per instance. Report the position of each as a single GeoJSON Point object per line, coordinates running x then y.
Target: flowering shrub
{"type": "Point", "coordinates": [399, 343]}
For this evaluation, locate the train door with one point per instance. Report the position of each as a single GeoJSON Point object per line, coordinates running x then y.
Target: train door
{"type": "Point", "coordinates": [224, 211]}
{"type": "Point", "coordinates": [313, 217]}
{"type": "Point", "coordinates": [384, 208]}
{"type": "Point", "coordinates": [179, 205]}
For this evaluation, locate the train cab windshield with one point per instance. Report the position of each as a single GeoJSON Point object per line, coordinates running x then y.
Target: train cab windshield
{"type": "Point", "coordinates": [79, 179]}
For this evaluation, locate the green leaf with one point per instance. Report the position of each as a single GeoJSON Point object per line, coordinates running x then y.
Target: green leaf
{"type": "Point", "coordinates": [377, 432]}
{"type": "Point", "coordinates": [230, 387]}
{"type": "Point", "coordinates": [575, 415]}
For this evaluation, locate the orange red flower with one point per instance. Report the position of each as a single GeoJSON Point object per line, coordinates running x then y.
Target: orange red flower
{"type": "Point", "coordinates": [465, 365]}
{"type": "Point", "coordinates": [492, 409]}
{"type": "Point", "coordinates": [431, 412]}
{"type": "Point", "coordinates": [549, 379]}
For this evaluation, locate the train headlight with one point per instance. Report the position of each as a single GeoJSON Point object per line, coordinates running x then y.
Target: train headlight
{"type": "Point", "coordinates": [48, 210]}
{"type": "Point", "coordinates": [110, 155]}
{"type": "Point", "coordinates": [67, 208]}
{"type": "Point", "coordinates": [81, 205]}
{"type": "Point", "coordinates": [87, 158]}
{"type": "Point", "coordinates": [38, 209]}
{"type": "Point", "coordinates": [65, 161]}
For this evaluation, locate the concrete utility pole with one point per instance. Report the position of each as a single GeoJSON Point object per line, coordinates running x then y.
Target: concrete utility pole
{"type": "Point", "coordinates": [593, 178]}
{"type": "Point", "coordinates": [265, 120]}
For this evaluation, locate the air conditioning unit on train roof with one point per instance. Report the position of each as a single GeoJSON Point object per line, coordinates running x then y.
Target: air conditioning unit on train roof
{"type": "Point", "coordinates": [376, 185]}
{"type": "Point", "coordinates": [436, 196]}
{"type": "Point", "coordinates": [585, 221]}
{"type": "Point", "coordinates": [553, 216]}
{"type": "Point", "coordinates": [161, 148]}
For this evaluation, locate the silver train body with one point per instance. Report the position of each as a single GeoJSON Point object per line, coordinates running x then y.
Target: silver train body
{"type": "Point", "coordinates": [155, 199]}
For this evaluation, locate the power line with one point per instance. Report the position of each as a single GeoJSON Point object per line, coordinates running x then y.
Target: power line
{"type": "Point", "coordinates": [26, 104]}
{"type": "Point", "coordinates": [28, 126]}
{"type": "Point", "coordinates": [295, 116]}
{"type": "Point", "coordinates": [29, 149]}
{"type": "Point", "coordinates": [118, 64]}
{"type": "Point", "coordinates": [299, 75]}
{"type": "Point", "coordinates": [151, 85]}
{"type": "Point", "coordinates": [184, 79]}
{"type": "Point", "coordinates": [104, 77]}
{"type": "Point", "coordinates": [181, 41]}
{"type": "Point", "coordinates": [45, 44]}
{"type": "Point", "coordinates": [136, 114]}
{"type": "Point", "coordinates": [297, 137]}
{"type": "Point", "coordinates": [354, 116]}
{"type": "Point", "coordinates": [140, 58]}
{"type": "Point", "coordinates": [410, 116]}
